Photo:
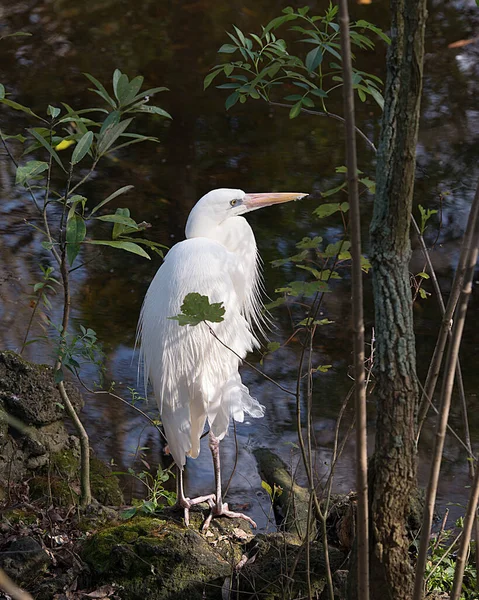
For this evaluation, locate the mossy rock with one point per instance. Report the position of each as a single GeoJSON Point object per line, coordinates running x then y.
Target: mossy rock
{"type": "Point", "coordinates": [53, 490]}
{"type": "Point", "coordinates": [156, 559]}
{"type": "Point", "coordinates": [105, 486]}
{"type": "Point", "coordinates": [58, 482]}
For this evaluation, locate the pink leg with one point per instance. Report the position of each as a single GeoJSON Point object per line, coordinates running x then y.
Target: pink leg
{"type": "Point", "coordinates": [218, 508]}
{"type": "Point", "coordinates": [186, 503]}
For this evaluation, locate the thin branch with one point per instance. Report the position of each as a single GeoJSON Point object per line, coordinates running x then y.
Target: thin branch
{"type": "Point", "coordinates": [251, 365]}
{"type": "Point", "coordinates": [469, 254]}
{"type": "Point", "coordinates": [362, 531]}
{"type": "Point", "coordinates": [10, 588]}
{"type": "Point", "coordinates": [444, 332]}
{"type": "Point", "coordinates": [331, 116]}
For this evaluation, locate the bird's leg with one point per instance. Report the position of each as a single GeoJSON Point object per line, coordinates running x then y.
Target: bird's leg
{"type": "Point", "coordinates": [186, 503]}
{"type": "Point", "coordinates": [218, 509]}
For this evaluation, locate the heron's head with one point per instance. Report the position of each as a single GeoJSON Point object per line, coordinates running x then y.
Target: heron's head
{"type": "Point", "coordinates": [218, 205]}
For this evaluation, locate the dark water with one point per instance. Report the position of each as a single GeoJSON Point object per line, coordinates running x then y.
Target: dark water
{"type": "Point", "coordinates": [252, 147]}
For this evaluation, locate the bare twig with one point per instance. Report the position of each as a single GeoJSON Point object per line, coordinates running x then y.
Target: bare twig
{"type": "Point", "coordinates": [318, 113]}
{"type": "Point", "coordinates": [362, 533]}
{"type": "Point", "coordinates": [7, 585]}
{"type": "Point", "coordinates": [467, 262]}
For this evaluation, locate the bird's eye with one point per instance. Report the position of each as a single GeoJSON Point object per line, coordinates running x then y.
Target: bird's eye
{"type": "Point", "coordinates": [233, 202]}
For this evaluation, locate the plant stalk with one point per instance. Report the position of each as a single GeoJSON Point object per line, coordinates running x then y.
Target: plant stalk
{"type": "Point", "coordinates": [468, 260]}
{"type": "Point", "coordinates": [362, 522]}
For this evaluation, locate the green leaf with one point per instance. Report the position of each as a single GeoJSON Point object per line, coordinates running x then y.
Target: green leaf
{"type": "Point", "coordinates": [128, 513]}
{"type": "Point", "coordinates": [273, 346]}
{"type": "Point", "coordinates": [53, 111]}
{"type": "Point", "coordinates": [371, 185]}
{"type": "Point", "coordinates": [47, 146]}
{"type": "Point", "coordinates": [118, 192]}
{"type": "Point", "coordinates": [110, 135]}
{"type": "Point", "coordinates": [296, 258]}
{"type": "Point", "coordinates": [231, 100]}
{"type": "Point", "coordinates": [325, 210]}
{"type": "Point", "coordinates": [377, 96]}
{"type": "Point", "coordinates": [423, 275]}
{"type": "Point", "coordinates": [318, 92]}
{"type": "Point", "coordinates": [112, 119]}
{"type": "Point", "coordinates": [365, 264]}
{"type": "Point", "coordinates": [82, 147]}
{"type": "Point", "coordinates": [209, 78]}
{"type": "Point", "coordinates": [132, 90]}
{"type": "Point", "coordinates": [228, 49]}
{"type": "Point", "coordinates": [295, 110]}
{"type": "Point", "coordinates": [19, 137]}
{"type": "Point", "coordinates": [101, 90]}
{"type": "Point", "coordinates": [128, 246]}
{"type": "Point", "coordinates": [305, 101]}
{"type": "Point", "coordinates": [76, 199]}
{"type": "Point", "coordinates": [278, 302]}
{"type": "Point", "coordinates": [267, 487]}
{"type": "Point", "coordinates": [304, 288]}
{"type": "Point", "coordinates": [120, 228]}
{"type": "Point", "coordinates": [314, 58]}
{"type": "Point", "coordinates": [275, 23]}
{"type": "Point", "coordinates": [376, 30]}
{"type": "Point", "coordinates": [332, 250]}
{"type": "Point", "coordinates": [17, 106]}
{"type": "Point", "coordinates": [75, 234]}
{"type": "Point", "coordinates": [323, 368]}
{"type": "Point", "coordinates": [308, 243]}
{"type": "Point", "coordinates": [30, 170]}
{"type": "Point", "coordinates": [120, 87]}
{"type": "Point", "coordinates": [150, 92]}
{"type": "Point", "coordinates": [197, 308]}
{"type": "Point", "coordinates": [127, 221]}
{"type": "Point", "coordinates": [153, 110]}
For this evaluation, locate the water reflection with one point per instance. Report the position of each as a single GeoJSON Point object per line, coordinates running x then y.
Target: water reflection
{"type": "Point", "coordinates": [253, 147]}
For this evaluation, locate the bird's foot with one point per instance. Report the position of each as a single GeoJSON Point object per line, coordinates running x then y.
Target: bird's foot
{"type": "Point", "coordinates": [222, 510]}
{"type": "Point", "coordinates": [187, 503]}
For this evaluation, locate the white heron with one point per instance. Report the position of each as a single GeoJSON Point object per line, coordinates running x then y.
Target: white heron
{"type": "Point", "coordinates": [195, 377]}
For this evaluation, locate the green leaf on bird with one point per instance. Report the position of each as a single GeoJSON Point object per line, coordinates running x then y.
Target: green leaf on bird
{"type": "Point", "coordinates": [197, 308]}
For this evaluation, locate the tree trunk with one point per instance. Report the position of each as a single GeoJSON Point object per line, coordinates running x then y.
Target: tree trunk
{"type": "Point", "coordinates": [392, 471]}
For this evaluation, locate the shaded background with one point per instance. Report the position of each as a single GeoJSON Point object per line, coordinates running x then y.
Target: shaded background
{"type": "Point", "coordinates": [253, 147]}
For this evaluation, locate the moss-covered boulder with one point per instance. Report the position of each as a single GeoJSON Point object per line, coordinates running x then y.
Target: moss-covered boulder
{"type": "Point", "coordinates": [38, 447]}
{"type": "Point", "coordinates": [159, 559]}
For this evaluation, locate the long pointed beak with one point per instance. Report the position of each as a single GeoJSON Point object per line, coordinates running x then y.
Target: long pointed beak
{"type": "Point", "coordinates": [255, 201]}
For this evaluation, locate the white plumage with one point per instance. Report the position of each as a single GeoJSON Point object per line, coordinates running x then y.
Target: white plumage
{"type": "Point", "coordinates": [195, 378]}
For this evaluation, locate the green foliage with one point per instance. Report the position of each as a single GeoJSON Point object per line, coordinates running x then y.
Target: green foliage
{"type": "Point", "coordinates": [264, 67]}
{"type": "Point", "coordinates": [441, 564]}
{"type": "Point", "coordinates": [426, 214]}
{"type": "Point", "coordinates": [93, 139]}
{"type": "Point", "coordinates": [197, 308]}
{"type": "Point", "coordinates": [273, 492]}
{"type": "Point", "coordinates": [73, 350]}
{"type": "Point", "coordinates": [157, 497]}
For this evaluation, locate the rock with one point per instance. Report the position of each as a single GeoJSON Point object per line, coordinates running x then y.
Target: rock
{"type": "Point", "coordinates": [25, 561]}
{"type": "Point", "coordinates": [43, 452]}
{"type": "Point", "coordinates": [340, 580]}
{"type": "Point", "coordinates": [158, 560]}
{"type": "Point", "coordinates": [29, 392]}
{"type": "Point", "coordinates": [292, 505]}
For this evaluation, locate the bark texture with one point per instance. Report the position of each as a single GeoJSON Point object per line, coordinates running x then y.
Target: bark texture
{"type": "Point", "coordinates": [393, 467]}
